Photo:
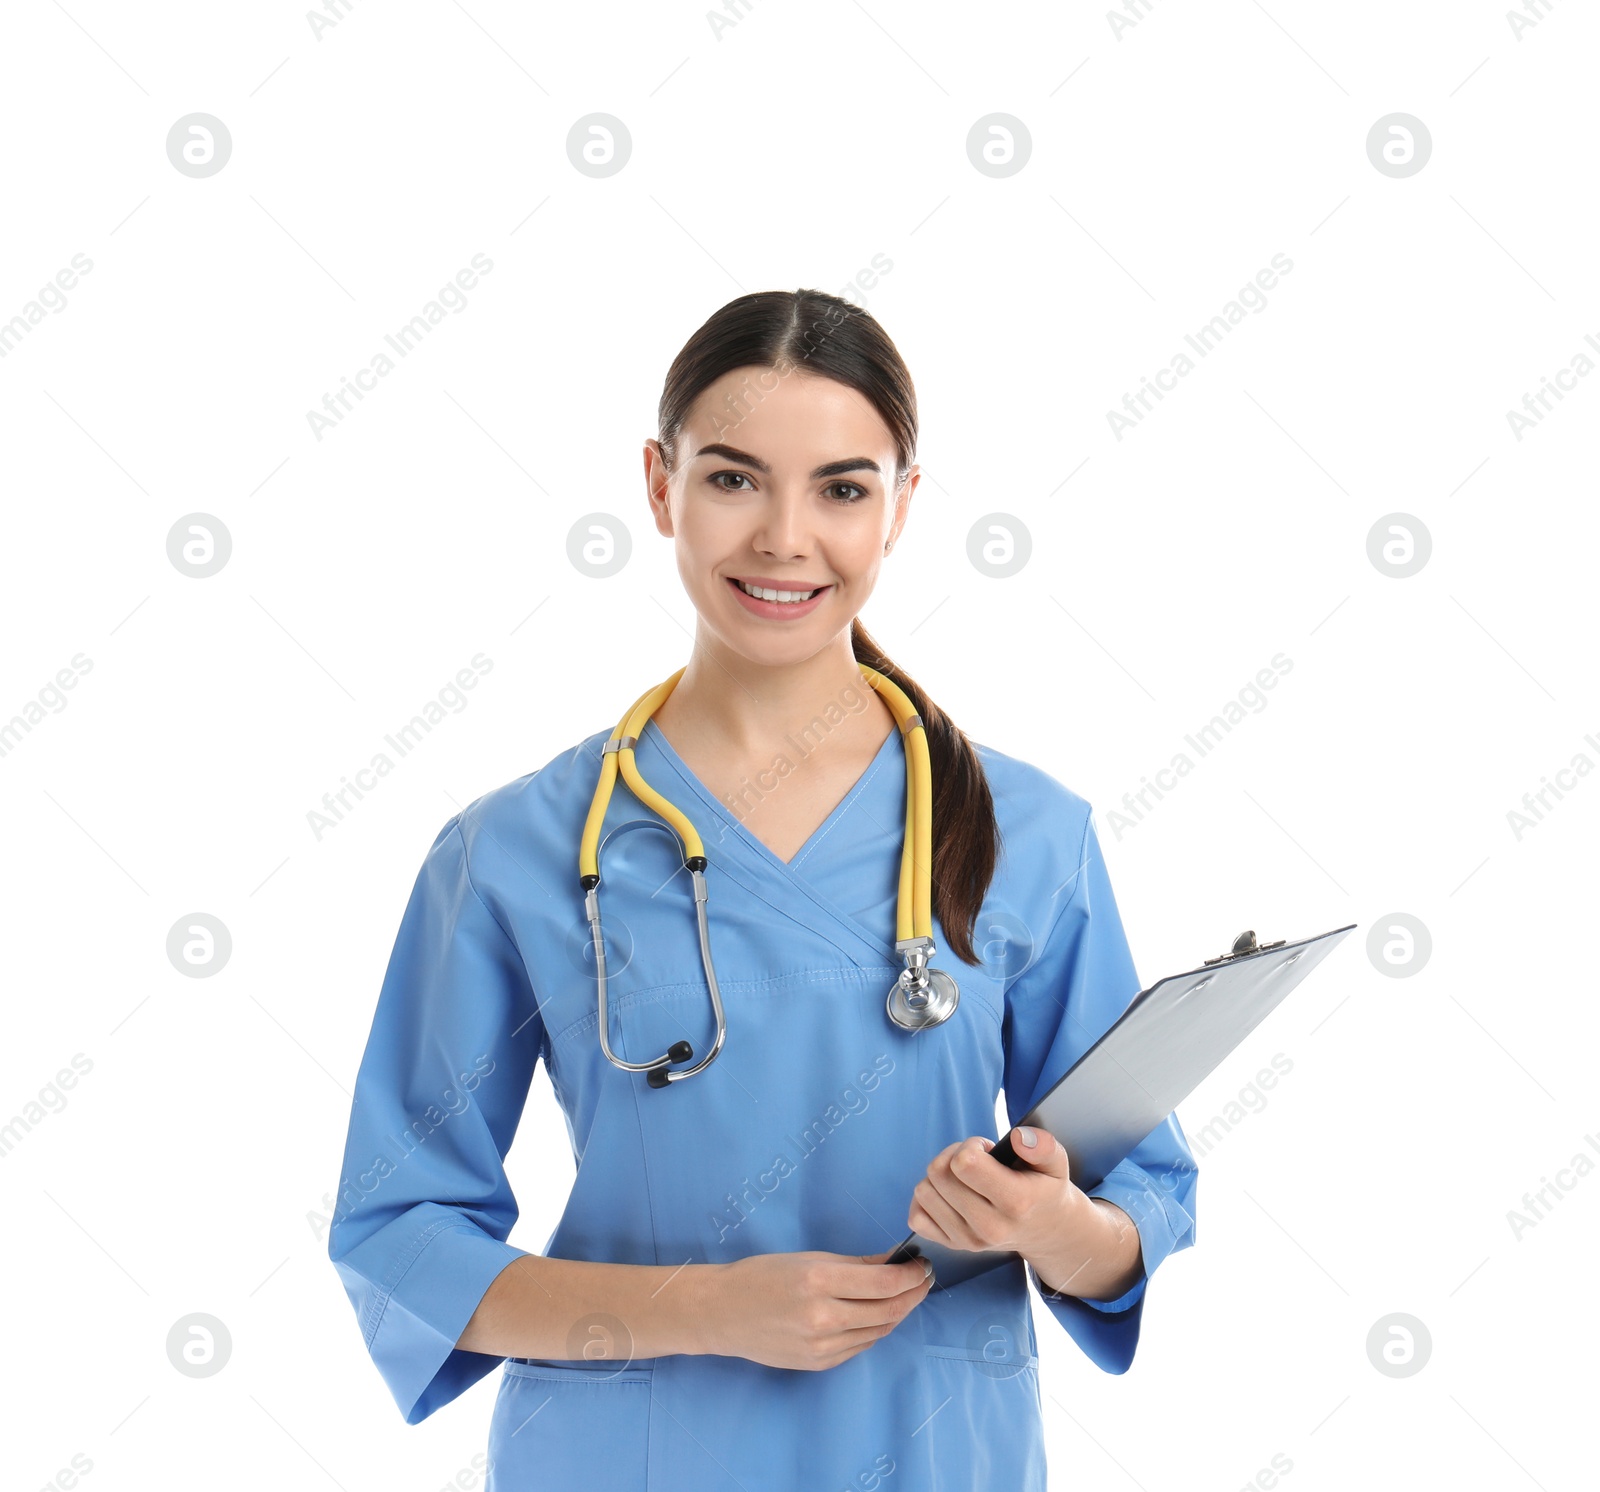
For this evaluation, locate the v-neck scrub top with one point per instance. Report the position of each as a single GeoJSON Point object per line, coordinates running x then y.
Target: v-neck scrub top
{"type": "Point", "coordinates": [809, 1131]}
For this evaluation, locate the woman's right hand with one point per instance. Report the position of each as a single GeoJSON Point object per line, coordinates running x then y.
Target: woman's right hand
{"type": "Point", "coordinates": [811, 1310]}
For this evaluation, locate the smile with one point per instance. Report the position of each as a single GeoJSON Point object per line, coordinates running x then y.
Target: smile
{"type": "Point", "coordinates": [786, 598]}
{"type": "Point", "coordinates": [774, 603]}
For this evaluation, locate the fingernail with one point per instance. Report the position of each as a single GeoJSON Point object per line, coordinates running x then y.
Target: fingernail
{"type": "Point", "coordinates": [1027, 1136]}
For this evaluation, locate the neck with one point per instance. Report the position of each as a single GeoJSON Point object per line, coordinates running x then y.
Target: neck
{"type": "Point", "coordinates": [742, 707]}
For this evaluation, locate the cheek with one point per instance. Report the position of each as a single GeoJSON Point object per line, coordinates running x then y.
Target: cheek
{"type": "Point", "coordinates": [704, 539]}
{"type": "Point", "coordinates": [858, 550]}
{"type": "Point", "coordinates": [710, 531]}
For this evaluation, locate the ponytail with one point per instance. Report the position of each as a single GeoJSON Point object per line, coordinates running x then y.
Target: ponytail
{"type": "Point", "coordinates": [966, 838]}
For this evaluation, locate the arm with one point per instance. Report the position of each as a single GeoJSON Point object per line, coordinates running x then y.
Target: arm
{"type": "Point", "coordinates": [573, 1309]}
{"type": "Point", "coordinates": [1080, 982]}
{"type": "Point", "coordinates": [808, 1311]}
{"type": "Point", "coordinates": [1097, 1260]}
{"type": "Point", "coordinates": [425, 1209]}
{"type": "Point", "coordinates": [420, 1234]}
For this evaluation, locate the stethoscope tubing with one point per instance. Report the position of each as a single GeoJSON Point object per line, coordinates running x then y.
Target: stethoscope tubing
{"type": "Point", "coordinates": [920, 996]}
{"type": "Point", "coordinates": [680, 1052]}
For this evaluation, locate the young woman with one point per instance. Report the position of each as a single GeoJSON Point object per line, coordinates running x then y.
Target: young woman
{"type": "Point", "coordinates": [714, 1309]}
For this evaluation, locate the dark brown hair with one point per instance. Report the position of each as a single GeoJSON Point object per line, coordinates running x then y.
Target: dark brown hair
{"type": "Point", "coordinates": [813, 332]}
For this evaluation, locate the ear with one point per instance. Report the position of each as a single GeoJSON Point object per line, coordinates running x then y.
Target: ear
{"type": "Point", "coordinates": [902, 501]}
{"type": "Point", "coordinates": [655, 483]}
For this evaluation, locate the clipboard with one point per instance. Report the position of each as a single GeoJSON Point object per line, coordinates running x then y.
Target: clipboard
{"type": "Point", "coordinates": [1160, 1049]}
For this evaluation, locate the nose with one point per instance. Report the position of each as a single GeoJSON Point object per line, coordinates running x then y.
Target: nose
{"type": "Point", "coordinates": [784, 529]}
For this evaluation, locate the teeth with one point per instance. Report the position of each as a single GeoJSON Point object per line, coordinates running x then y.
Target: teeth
{"type": "Point", "coordinates": [769, 595]}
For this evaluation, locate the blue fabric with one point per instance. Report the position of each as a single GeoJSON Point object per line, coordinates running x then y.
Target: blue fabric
{"type": "Point", "coordinates": [823, 1117]}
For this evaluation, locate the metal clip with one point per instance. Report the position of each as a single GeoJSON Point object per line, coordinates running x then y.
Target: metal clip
{"type": "Point", "coordinates": [1243, 944]}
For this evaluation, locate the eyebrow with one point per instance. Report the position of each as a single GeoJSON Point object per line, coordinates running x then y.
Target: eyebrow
{"type": "Point", "coordinates": [827, 469]}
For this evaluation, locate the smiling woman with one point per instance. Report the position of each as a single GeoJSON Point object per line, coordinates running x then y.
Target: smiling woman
{"type": "Point", "coordinates": [692, 1322]}
{"type": "Point", "coordinates": [788, 428]}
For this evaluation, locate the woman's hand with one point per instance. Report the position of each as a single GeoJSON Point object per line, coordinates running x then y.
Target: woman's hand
{"type": "Point", "coordinates": [811, 1310]}
{"type": "Point", "coordinates": [969, 1201]}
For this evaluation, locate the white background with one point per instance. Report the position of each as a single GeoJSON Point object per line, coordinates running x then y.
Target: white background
{"type": "Point", "coordinates": [186, 1171]}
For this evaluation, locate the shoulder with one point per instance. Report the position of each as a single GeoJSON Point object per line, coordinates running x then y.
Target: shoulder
{"type": "Point", "coordinates": [533, 822]}
{"type": "Point", "coordinates": [1027, 799]}
{"type": "Point", "coordinates": [1046, 832]}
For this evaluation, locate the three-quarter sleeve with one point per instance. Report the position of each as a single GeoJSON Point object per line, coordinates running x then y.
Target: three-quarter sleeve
{"type": "Point", "coordinates": [1056, 1009]}
{"type": "Point", "coordinates": [424, 1207]}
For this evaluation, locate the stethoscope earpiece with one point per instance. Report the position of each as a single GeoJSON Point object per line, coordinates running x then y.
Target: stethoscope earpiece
{"type": "Point", "coordinates": [679, 1051]}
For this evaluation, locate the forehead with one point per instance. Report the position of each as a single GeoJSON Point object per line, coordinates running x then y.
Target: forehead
{"type": "Point", "coordinates": [787, 416]}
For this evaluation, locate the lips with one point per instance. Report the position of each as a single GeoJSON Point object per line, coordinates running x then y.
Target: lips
{"type": "Point", "coordinates": [772, 583]}
{"type": "Point", "coordinates": [777, 610]}
{"type": "Point", "coordinates": [783, 595]}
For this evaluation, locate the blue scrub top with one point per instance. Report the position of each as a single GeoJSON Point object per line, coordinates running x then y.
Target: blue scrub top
{"type": "Point", "coordinates": [809, 1131]}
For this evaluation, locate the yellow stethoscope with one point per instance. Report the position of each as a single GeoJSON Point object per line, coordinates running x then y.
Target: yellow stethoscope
{"type": "Point", "coordinates": [920, 996]}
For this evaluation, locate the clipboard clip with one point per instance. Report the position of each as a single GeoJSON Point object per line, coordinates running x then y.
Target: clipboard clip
{"type": "Point", "coordinates": [1243, 944]}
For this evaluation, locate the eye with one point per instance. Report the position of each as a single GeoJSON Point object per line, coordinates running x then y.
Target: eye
{"type": "Point", "coordinates": [717, 476]}
{"type": "Point", "coordinates": [853, 494]}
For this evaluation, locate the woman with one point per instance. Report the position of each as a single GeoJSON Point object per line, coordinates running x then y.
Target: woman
{"type": "Point", "coordinates": [714, 1309]}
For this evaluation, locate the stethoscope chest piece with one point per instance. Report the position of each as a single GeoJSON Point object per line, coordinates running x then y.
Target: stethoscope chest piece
{"type": "Point", "coordinates": [921, 997]}
{"type": "Point", "coordinates": [913, 1009]}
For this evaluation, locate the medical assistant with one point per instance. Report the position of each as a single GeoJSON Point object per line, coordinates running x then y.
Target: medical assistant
{"type": "Point", "coordinates": [809, 1131]}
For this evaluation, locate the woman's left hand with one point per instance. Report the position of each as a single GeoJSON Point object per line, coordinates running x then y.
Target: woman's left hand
{"type": "Point", "coordinates": [969, 1201]}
